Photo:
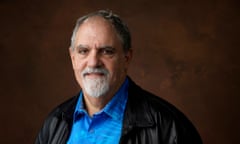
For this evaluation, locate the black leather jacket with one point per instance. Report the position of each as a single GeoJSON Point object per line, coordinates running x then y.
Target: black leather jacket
{"type": "Point", "coordinates": [148, 119]}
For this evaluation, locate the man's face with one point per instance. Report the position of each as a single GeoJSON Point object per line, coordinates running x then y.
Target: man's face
{"type": "Point", "coordinates": [99, 62]}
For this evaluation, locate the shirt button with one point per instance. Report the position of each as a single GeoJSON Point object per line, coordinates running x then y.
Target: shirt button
{"type": "Point", "coordinates": [91, 131]}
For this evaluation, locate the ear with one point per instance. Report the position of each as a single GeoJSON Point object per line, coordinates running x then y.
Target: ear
{"type": "Point", "coordinates": [128, 56]}
{"type": "Point", "coordinates": [71, 53]}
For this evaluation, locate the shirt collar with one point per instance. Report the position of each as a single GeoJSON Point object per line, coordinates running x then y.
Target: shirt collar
{"type": "Point", "coordinates": [115, 107]}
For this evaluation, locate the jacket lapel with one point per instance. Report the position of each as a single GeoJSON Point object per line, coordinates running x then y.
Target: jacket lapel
{"type": "Point", "coordinates": [137, 113]}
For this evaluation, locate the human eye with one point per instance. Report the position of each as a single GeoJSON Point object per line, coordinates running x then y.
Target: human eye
{"type": "Point", "coordinates": [107, 51]}
{"type": "Point", "coordinates": [83, 51]}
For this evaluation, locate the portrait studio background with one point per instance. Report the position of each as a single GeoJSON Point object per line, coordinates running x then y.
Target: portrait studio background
{"type": "Point", "coordinates": [184, 51]}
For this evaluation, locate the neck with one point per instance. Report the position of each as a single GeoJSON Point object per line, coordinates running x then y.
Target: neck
{"type": "Point", "coordinates": [94, 105]}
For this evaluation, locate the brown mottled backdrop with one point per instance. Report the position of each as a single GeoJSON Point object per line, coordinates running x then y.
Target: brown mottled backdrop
{"type": "Point", "coordinates": [184, 51]}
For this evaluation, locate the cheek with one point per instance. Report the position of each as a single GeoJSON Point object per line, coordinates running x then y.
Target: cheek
{"type": "Point", "coordinates": [111, 65]}
{"type": "Point", "coordinates": [117, 69]}
{"type": "Point", "coordinates": [78, 64]}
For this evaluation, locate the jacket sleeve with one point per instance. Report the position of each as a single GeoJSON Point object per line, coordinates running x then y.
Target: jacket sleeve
{"type": "Point", "coordinates": [43, 135]}
{"type": "Point", "coordinates": [57, 126]}
{"type": "Point", "coordinates": [189, 136]}
{"type": "Point", "coordinates": [55, 130]}
{"type": "Point", "coordinates": [185, 132]}
{"type": "Point", "coordinates": [178, 131]}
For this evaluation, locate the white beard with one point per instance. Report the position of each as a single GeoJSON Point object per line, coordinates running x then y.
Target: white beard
{"type": "Point", "coordinates": [95, 87]}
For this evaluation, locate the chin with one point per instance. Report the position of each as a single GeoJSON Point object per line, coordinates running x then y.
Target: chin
{"type": "Point", "coordinates": [96, 87]}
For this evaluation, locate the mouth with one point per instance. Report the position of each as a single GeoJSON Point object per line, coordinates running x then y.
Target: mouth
{"type": "Point", "coordinates": [94, 75]}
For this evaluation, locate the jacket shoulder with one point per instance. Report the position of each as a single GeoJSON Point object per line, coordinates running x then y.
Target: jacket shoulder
{"type": "Point", "coordinates": [164, 115]}
{"type": "Point", "coordinates": [67, 107]}
{"type": "Point", "coordinates": [153, 102]}
{"type": "Point", "coordinates": [57, 123]}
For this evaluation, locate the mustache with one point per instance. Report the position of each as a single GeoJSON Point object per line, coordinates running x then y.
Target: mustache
{"type": "Point", "coordinates": [89, 70]}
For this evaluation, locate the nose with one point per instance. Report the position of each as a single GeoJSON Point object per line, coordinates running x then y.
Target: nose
{"type": "Point", "coordinates": [94, 59]}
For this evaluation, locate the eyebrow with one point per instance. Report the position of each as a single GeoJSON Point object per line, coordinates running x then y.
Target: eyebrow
{"type": "Point", "coordinates": [106, 47]}
{"type": "Point", "coordinates": [80, 46]}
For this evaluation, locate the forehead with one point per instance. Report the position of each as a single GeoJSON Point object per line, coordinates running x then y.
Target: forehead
{"type": "Point", "coordinates": [96, 29]}
{"type": "Point", "coordinates": [97, 25]}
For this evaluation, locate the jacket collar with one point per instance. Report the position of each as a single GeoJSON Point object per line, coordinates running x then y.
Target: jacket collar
{"type": "Point", "coordinates": [68, 108]}
{"type": "Point", "coordinates": [137, 113]}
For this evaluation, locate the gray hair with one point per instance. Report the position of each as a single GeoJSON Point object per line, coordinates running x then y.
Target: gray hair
{"type": "Point", "coordinates": [121, 28]}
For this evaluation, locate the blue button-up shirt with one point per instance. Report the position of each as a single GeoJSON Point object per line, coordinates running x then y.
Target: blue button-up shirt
{"type": "Point", "coordinates": [103, 127]}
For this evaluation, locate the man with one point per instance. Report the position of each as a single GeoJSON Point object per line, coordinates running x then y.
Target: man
{"type": "Point", "coordinates": [111, 108]}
